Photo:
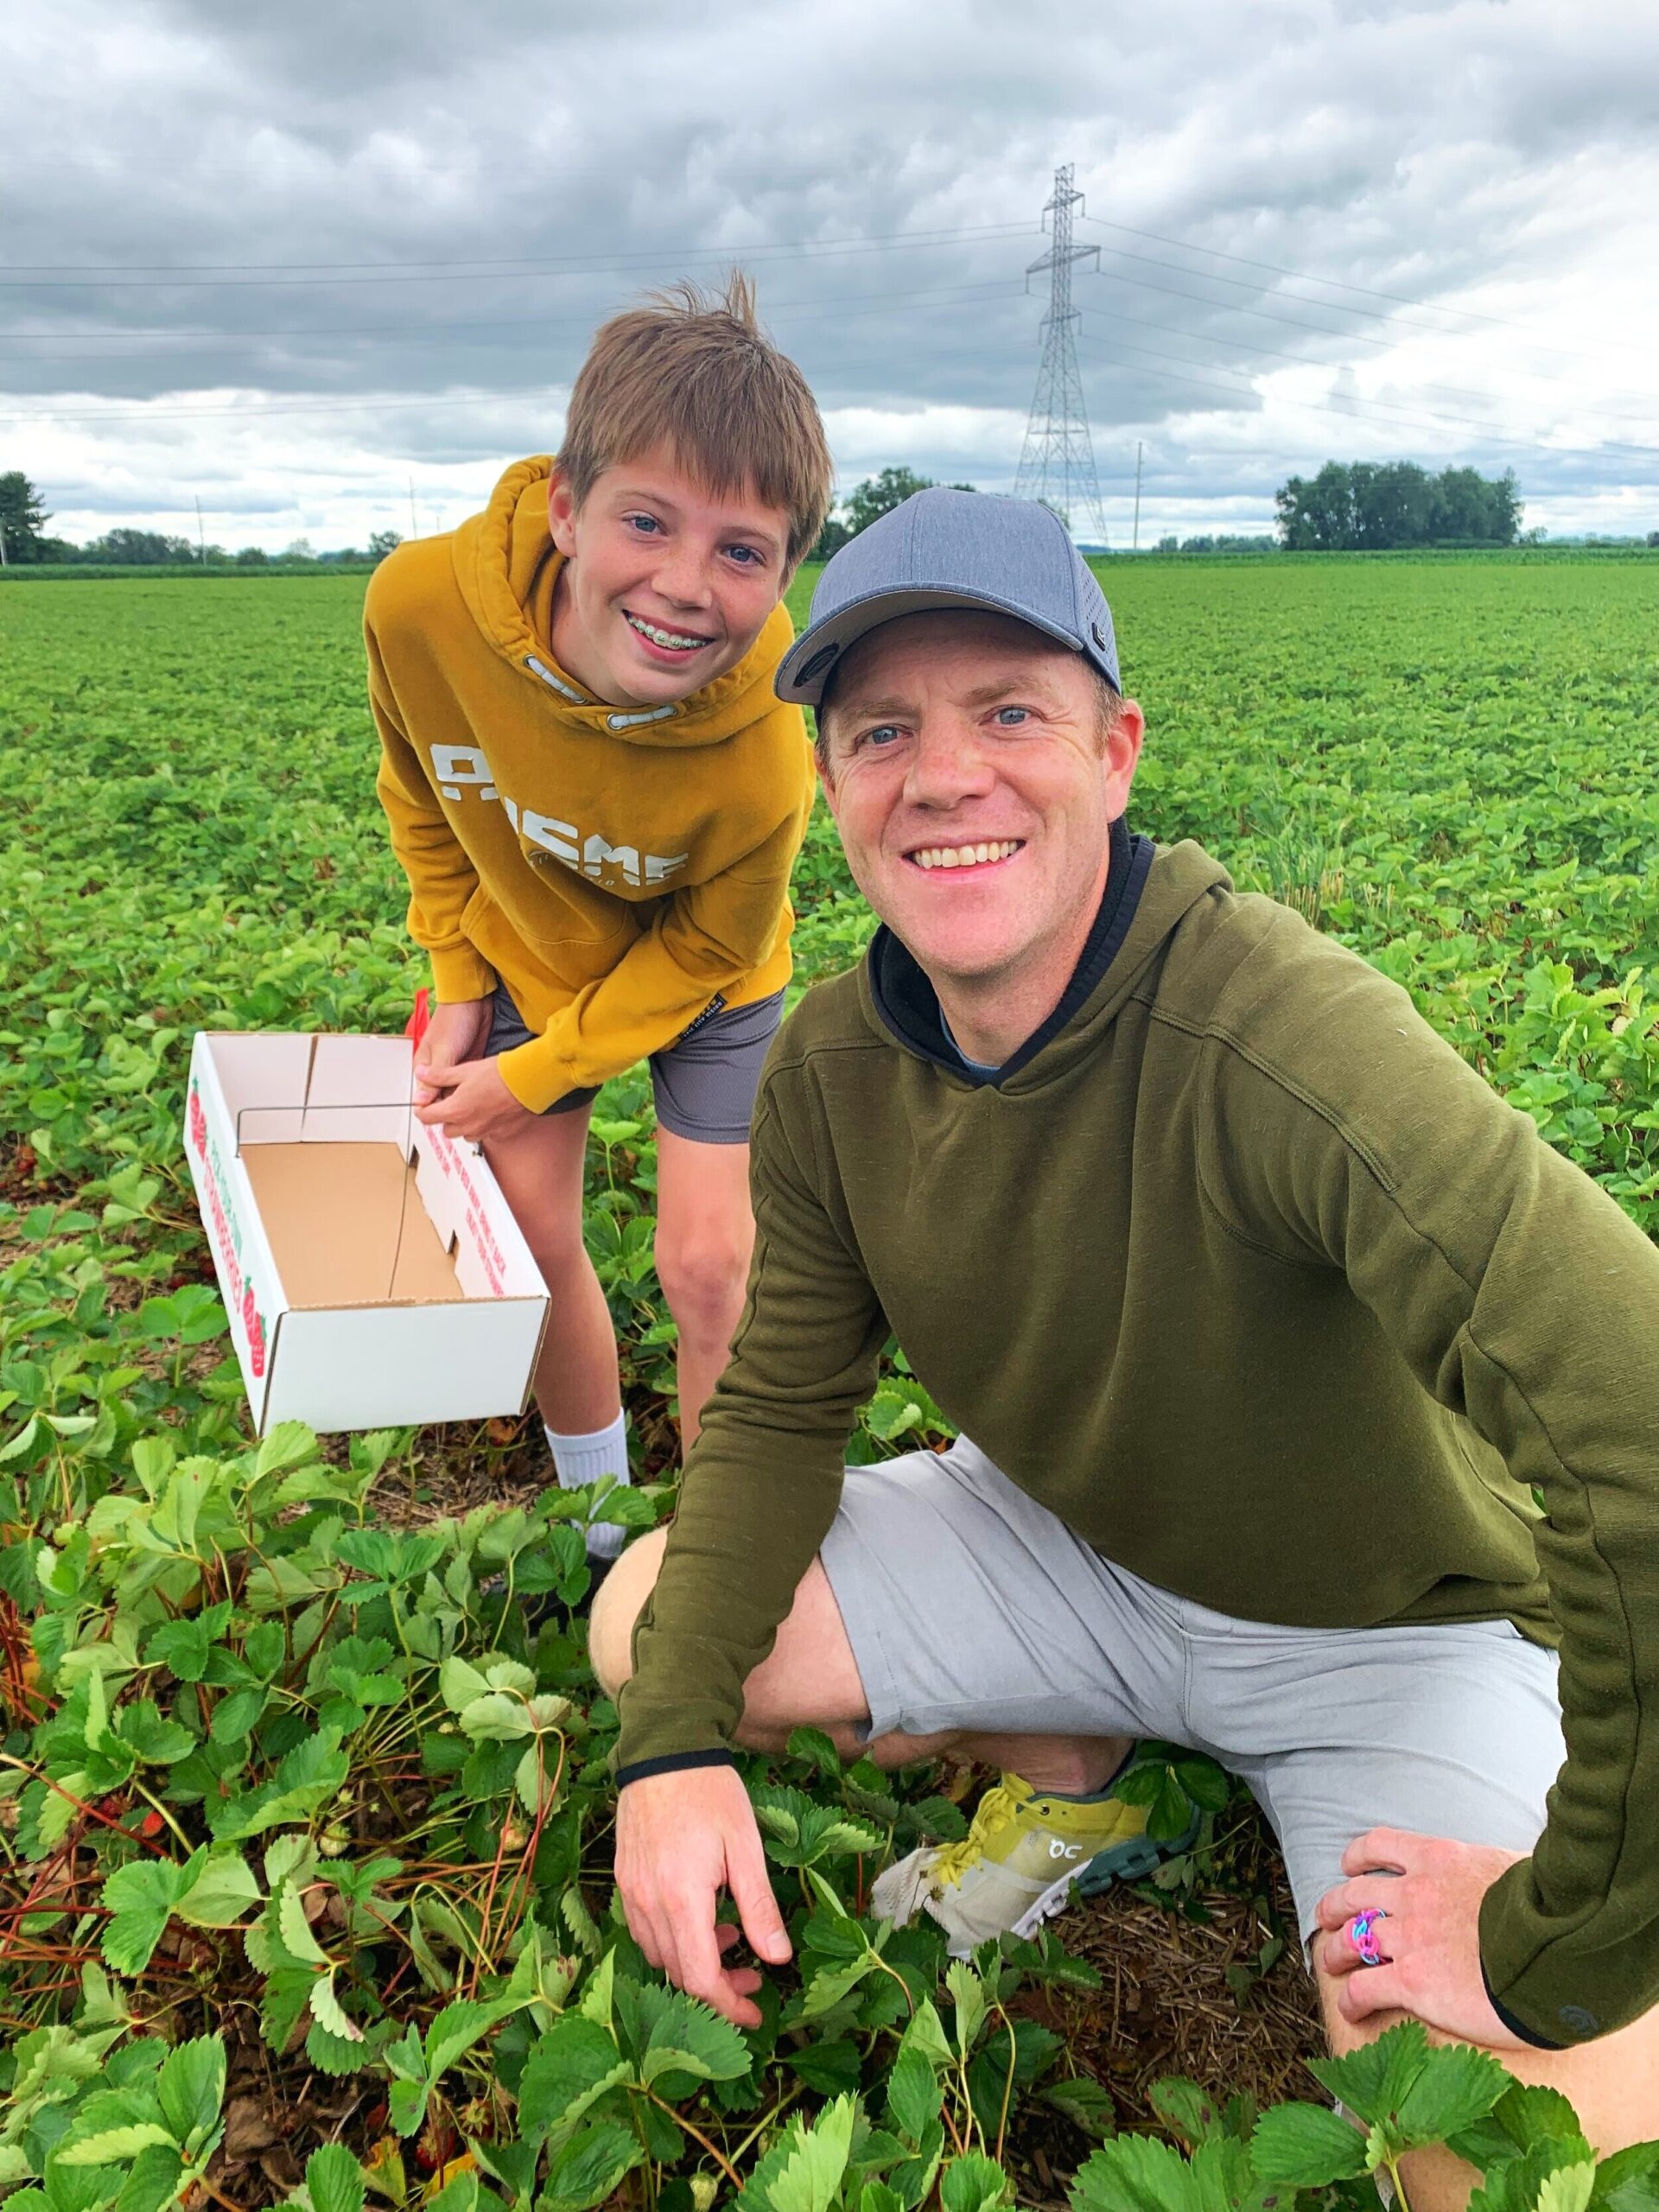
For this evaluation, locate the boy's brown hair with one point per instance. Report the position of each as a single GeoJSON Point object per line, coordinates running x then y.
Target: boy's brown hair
{"type": "Point", "coordinates": [697, 372]}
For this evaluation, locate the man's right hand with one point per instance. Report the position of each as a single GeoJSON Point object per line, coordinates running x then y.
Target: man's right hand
{"type": "Point", "coordinates": [457, 1032]}
{"type": "Point", "coordinates": [681, 1838]}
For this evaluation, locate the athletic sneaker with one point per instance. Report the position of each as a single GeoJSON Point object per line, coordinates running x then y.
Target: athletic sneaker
{"type": "Point", "coordinates": [1019, 1861]}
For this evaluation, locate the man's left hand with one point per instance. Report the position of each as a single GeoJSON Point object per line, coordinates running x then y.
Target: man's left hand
{"type": "Point", "coordinates": [1430, 1938]}
{"type": "Point", "coordinates": [472, 1101]}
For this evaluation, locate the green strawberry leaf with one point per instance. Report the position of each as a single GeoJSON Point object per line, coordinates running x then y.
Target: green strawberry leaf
{"type": "Point", "coordinates": [1457, 2087]}
{"type": "Point", "coordinates": [569, 2067]}
{"type": "Point", "coordinates": [974, 2184]}
{"type": "Point", "coordinates": [139, 1898]}
{"type": "Point", "coordinates": [687, 2038]}
{"type": "Point", "coordinates": [1307, 2146]}
{"type": "Point", "coordinates": [589, 2167]}
{"type": "Point", "coordinates": [191, 2087]}
{"type": "Point", "coordinates": [333, 2180]}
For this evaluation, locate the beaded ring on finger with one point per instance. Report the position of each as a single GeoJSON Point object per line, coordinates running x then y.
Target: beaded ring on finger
{"type": "Point", "coordinates": [1362, 1934]}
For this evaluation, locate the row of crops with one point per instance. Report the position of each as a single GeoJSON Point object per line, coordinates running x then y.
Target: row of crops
{"type": "Point", "coordinates": [304, 1836]}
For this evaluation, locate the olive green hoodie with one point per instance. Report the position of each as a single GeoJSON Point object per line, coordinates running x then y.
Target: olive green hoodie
{"type": "Point", "coordinates": [1248, 1276]}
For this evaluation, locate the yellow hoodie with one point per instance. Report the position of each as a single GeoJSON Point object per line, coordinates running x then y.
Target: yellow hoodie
{"type": "Point", "coordinates": [622, 872]}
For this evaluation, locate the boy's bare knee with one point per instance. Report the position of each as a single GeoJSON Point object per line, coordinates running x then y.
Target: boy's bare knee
{"type": "Point", "coordinates": [702, 1277]}
{"type": "Point", "coordinates": [616, 1608]}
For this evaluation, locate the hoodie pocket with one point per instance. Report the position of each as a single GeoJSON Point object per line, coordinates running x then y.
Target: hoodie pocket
{"type": "Point", "coordinates": [575, 941]}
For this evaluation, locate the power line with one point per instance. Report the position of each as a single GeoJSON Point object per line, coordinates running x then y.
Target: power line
{"type": "Point", "coordinates": [1292, 321]}
{"type": "Point", "coordinates": [1326, 407]}
{"type": "Point", "coordinates": [1005, 287]}
{"type": "Point", "coordinates": [1312, 360]}
{"type": "Point", "coordinates": [515, 260]}
{"type": "Point", "coordinates": [240, 409]}
{"type": "Point", "coordinates": [1305, 277]}
{"type": "Point", "coordinates": [479, 268]}
{"type": "Point", "coordinates": [1332, 306]}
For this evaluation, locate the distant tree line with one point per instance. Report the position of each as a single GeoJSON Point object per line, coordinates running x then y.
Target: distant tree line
{"type": "Point", "coordinates": [1349, 506]}
{"type": "Point", "coordinates": [1221, 542]}
{"type": "Point", "coordinates": [1372, 507]}
{"type": "Point", "coordinates": [23, 528]}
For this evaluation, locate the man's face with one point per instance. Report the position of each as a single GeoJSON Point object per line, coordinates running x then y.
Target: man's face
{"type": "Point", "coordinates": [972, 789]}
{"type": "Point", "coordinates": [667, 587]}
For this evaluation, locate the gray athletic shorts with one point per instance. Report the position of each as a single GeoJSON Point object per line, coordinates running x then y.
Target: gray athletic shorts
{"type": "Point", "coordinates": [970, 1606]}
{"type": "Point", "coordinates": [704, 1082]}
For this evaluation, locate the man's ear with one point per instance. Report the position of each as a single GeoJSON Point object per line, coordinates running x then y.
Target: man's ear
{"type": "Point", "coordinates": [562, 507]}
{"type": "Point", "coordinates": [1121, 754]}
{"type": "Point", "coordinates": [821, 758]}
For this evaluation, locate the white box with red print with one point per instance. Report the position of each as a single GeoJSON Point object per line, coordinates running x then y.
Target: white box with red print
{"type": "Point", "coordinates": [372, 1274]}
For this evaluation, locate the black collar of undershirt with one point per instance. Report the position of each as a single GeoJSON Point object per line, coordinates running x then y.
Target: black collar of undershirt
{"type": "Point", "coordinates": [909, 1006]}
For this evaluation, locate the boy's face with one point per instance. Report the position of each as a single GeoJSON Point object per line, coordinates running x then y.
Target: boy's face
{"type": "Point", "coordinates": [667, 585]}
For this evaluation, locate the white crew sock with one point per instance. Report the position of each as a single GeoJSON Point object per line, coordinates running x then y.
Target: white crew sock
{"type": "Point", "coordinates": [581, 1459]}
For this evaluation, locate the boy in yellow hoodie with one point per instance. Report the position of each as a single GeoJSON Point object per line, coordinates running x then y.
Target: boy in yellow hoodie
{"type": "Point", "coordinates": [598, 800]}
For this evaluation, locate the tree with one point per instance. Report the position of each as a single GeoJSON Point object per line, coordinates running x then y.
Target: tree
{"type": "Point", "coordinates": [875, 497]}
{"type": "Point", "coordinates": [1377, 505]}
{"type": "Point", "coordinates": [382, 543]}
{"type": "Point", "coordinates": [253, 556]}
{"type": "Point", "coordinates": [878, 495]}
{"type": "Point", "coordinates": [138, 549]}
{"type": "Point", "coordinates": [22, 519]}
{"type": "Point", "coordinates": [1316, 515]}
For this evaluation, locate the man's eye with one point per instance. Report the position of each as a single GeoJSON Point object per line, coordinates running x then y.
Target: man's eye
{"type": "Point", "coordinates": [1011, 717]}
{"type": "Point", "coordinates": [883, 733]}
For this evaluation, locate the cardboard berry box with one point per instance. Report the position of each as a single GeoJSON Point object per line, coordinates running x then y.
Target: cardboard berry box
{"type": "Point", "coordinates": [372, 1272]}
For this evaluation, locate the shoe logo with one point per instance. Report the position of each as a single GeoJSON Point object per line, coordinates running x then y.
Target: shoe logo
{"type": "Point", "coordinates": [1058, 1850]}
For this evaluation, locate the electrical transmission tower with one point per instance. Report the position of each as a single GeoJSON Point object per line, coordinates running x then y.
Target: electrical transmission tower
{"type": "Point", "coordinates": [1058, 462]}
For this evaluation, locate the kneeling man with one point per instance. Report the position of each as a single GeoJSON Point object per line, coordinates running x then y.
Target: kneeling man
{"type": "Point", "coordinates": [1314, 1400]}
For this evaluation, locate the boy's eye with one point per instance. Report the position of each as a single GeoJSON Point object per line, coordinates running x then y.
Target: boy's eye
{"type": "Point", "coordinates": [747, 557]}
{"type": "Point", "coordinates": [644, 524]}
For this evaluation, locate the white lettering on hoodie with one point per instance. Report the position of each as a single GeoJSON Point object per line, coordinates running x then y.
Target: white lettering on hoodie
{"type": "Point", "coordinates": [459, 770]}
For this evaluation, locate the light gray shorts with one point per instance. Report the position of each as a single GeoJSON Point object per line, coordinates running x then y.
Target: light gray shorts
{"type": "Point", "coordinates": [970, 1606]}
{"type": "Point", "coordinates": [704, 1082]}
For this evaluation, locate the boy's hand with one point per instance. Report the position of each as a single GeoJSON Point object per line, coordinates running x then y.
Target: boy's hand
{"type": "Point", "coordinates": [470, 1100]}
{"type": "Point", "coordinates": [457, 1032]}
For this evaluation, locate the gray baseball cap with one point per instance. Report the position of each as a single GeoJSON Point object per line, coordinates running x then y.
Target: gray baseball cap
{"type": "Point", "coordinates": [943, 549]}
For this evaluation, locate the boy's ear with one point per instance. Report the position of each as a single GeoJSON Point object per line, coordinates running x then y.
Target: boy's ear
{"type": "Point", "coordinates": [561, 513]}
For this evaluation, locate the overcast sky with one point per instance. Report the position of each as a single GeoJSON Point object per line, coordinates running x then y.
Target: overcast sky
{"type": "Point", "coordinates": [289, 260]}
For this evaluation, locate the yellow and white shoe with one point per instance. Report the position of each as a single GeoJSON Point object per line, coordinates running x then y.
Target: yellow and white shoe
{"type": "Point", "coordinates": [1019, 1861]}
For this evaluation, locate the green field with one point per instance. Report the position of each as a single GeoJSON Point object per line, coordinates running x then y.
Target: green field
{"type": "Point", "coordinates": [207, 1649]}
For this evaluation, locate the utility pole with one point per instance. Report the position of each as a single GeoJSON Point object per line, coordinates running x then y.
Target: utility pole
{"type": "Point", "coordinates": [1139, 449]}
{"type": "Point", "coordinates": [202, 535]}
{"type": "Point", "coordinates": [414, 526]}
{"type": "Point", "coordinates": [1058, 462]}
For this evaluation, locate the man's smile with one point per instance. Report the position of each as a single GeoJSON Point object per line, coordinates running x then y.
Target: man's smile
{"type": "Point", "coordinates": [976, 857]}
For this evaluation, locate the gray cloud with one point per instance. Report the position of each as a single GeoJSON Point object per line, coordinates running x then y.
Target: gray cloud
{"type": "Point", "coordinates": [228, 222]}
